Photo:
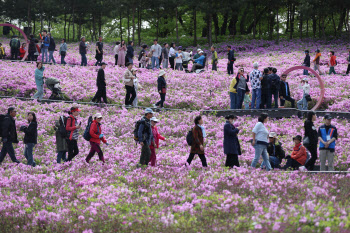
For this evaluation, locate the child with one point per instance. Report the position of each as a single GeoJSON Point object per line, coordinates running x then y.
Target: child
{"type": "Point", "coordinates": [144, 60]}
{"type": "Point", "coordinates": [136, 86]}
{"type": "Point", "coordinates": [305, 86]}
{"type": "Point", "coordinates": [306, 62]}
{"type": "Point", "coordinates": [246, 100]}
{"type": "Point", "coordinates": [332, 62]}
{"type": "Point", "coordinates": [285, 92]}
{"type": "Point", "coordinates": [2, 52]}
{"type": "Point", "coordinates": [156, 136]}
{"type": "Point", "coordinates": [298, 156]}
{"type": "Point", "coordinates": [22, 50]}
{"type": "Point", "coordinates": [178, 59]}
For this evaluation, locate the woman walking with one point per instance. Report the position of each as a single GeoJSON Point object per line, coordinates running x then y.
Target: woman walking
{"type": "Point", "coordinates": [241, 86]}
{"type": "Point", "coordinates": [129, 86]}
{"type": "Point", "coordinates": [30, 138]}
{"type": "Point", "coordinates": [305, 86]}
{"type": "Point", "coordinates": [260, 141]}
{"type": "Point", "coordinates": [72, 129]}
{"type": "Point", "coordinates": [172, 55]}
{"type": "Point", "coordinates": [61, 143]}
{"type": "Point", "coordinates": [161, 89]}
{"type": "Point", "coordinates": [96, 138]}
{"type": "Point", "coordinates": [121, 54]}
{"type": "Point", "coordinates": [39, 81]}
{"type": "Point", "coordinates": [137, 86]}
{"type": "Point", "coordinates": [63, 51]}
{"type": "Point", "coordinates": [116, 51]}
{"type": "Point", "coordinates": [231, 144]}
{"type": "Point", "coordinates": [311, 136]}
{"type": "Point", "coordinates": [157, 137]}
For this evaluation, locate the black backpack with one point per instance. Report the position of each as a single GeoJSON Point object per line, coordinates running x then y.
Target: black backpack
{"type": "Point", "coordinates": [2, 118]}
{"type": "Point", "coordinates": [275, 83]}
{"type": "Point", "coordinates": [189, 138]}
{"type": "Point", "coordinates": [62, 128]}
{"type": "Point", "coordinates": [87, 135]}
{"type": "Point", "coordinates": [137, 126]}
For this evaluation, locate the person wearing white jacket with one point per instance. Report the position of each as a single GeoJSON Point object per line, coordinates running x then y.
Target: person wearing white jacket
{"type": "Point", "coordinates": [115, 52]}
{"type": "Point", "coordinates": [305, 86]}
{"type": "Point", "coordinates": [128, 79]}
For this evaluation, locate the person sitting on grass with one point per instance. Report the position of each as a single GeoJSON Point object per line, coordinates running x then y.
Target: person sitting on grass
{"type": "Point", "coordinates": [275, 151]}
{"type": "Point", "coordinates": [298, 156]}
{"type": "Point", "coordinates": [199, 62]}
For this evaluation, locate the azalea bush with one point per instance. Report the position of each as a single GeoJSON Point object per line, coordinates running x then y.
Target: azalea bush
{"type": "Point", "coordinates": [171, 197]}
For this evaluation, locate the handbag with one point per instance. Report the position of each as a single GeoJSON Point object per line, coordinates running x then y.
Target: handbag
{"type": "Point", "coordinates": [63, 53]}
{"type": "Point", "coordinates": [308, 98]}
{"type": "Point", "coordinates": [163, 90]}
{"type": "Point", "coordinates": [306, 141]}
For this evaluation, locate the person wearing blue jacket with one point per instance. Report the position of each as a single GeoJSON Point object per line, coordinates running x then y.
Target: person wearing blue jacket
{"type": "Point", "coordinates": [39, 81]}
{"type": "Point", "coordinates": [199, 62]}
{"type": "Point", "coordinates": [145, 137]}
{"type": "Point", "coordinates": [232, 147]}
{"type": "Point", "coordinates": [230, 60]}
{"type": "Point", "coordinates": [306, 62]}
{"type": "Point", "coordinates": [45, 46]}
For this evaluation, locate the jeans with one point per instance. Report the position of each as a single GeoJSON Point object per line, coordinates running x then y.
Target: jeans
{"type": "Point", "coordinates": [162, 99]}
{"type": "Point", "coordinates": [214, 67]}
{"type": "Point", "coordinates": [306, 72]}
{"type": "Point", "coordinates": [240, 93]}
{"type": "Point", "coordinates": [155, 62]}
{"type": "Point", "coordinates": [230, 68]}
{"type": "Point", "coordinates": [61, 155]}
{"type": "Point", "coordinates": [95, 148]}
{"type": "Point", "coordinates": [231, 160]}
{"type": "Point", "coordinates": [14, 53]}
{"type": "Point", "coordinates": [274, 162]}
{"type": "Point", "coordinates": [178, 66]}
{"type": "Point", "coordinates": [7, 147]}
{"type": "Point", "coordinates": [261, 150]}
{"type": "Point", "coordinates": [130, 60]}
{"type": "Point", "coordinates": [130, 90]}
{"type": "Point", "coordinates": [40, 92]}
{"type": "Point", "coordinates": [302, 104]}
{"type": "Point", "coordinates": [265, 100]}
{"type": "Point", "coordinates": [317, 67]}
{"type": "Point", "coordinates": [201, 156]}
{"type": "Point", "coordinates": [101, 93]}
{"type": "Point", "coordinates": [73, 149]}
{"type": "Point", "coordinates": [51, 57]}
{"type": "Point", "coordinates": [256, 95]}
{"type": "Point", "coordinates": [288, 98]}
{"type": "Point", "coordinates": [28, 153]}
{"type": "Point", "coordinates": [332, 70]}
{"type": "Point", "coordinates": [165, 63]}
{"type": "Point", "coordinates": [31, 56]}
{"type": "Point", "coordinates": [145, 154]}
{"type": "Point", "coordinates": [83, 59]}
{"type": "Point", "coordinates": [246, 106]}
{"type": "Point", "coordinates": [274, 93]}
{"type": "Point", "coordinates": [326, 155]}
{"type": "Point", "coordinates": [44, 56]}
{"type": "Point", "coordinates": [63, 62]}
{"type": "Point", "coordinates": [234, 100]}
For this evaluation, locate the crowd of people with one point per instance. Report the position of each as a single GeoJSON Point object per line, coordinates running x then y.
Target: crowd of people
{"type": "Point", "coordinates": [146, 134]}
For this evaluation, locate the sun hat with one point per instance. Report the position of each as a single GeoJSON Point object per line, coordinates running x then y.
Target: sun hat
{"type": "Point", "coordinates": [148, 110]}
{"type": "Point", "coordinates": [305, 79]}
{"type": "Point", "coordinates": [154, 119]}
{"type": "Point", "coordinates": [199, 50]}
{"type": "Point", "coordinates": [272, 135]}
{"type": "Point", "coordinates": [98, 115]}
{"type": "Point", "coordinates": [161, 73]}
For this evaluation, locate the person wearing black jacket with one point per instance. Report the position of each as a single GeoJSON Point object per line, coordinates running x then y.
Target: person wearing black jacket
{"type": "Point", "coordinates": [161, 89]}
{"type": "Point", "coordinates": [306, 62]}
{"type": "Point", "coordinates": [130, 52]}
{"type": "Point", "coordinates": [30, 138]}
{"type": "Point", "coordinates": [275, 151]}
{"type": "Point", "coordinates": [311, 133]}
{"type": "Point", "coordinates": [232, 147]}
{"type": "Point", "coordinates": [230, 60]}
{"type": "Point", "coordinates": [101, 85]}
{"type": "Point", "coordinates": [265, 90]}
{"type": "Point", "coordinates": [99, 51]}
{"type": "Point", "coordinates": [52, 48]}
{"type": "Point", "coordinates": [285, 91]}
{"type": "Point", "coordinates": [275, 86]}
{"type": "Point", "coordinates": [82, 51]}
{"type": "Point", "coordinates": [31, 48]}
{"type": "Point", "coordinates": [9, 135]}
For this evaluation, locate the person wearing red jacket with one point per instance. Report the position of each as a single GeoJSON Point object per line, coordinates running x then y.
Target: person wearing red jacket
{"type": "Point", "coordinates": [157, 137]}
{"type": "Point", "coordinates": [72, 128]}
{"type": "Point", "coordinates": [96, 138]}
{"type": "Point", "coordinates": [332, 62]}
{"type": "Point", "coordinates": [22, 50]}
{"type": "Point", "coordinates": [298, 156]}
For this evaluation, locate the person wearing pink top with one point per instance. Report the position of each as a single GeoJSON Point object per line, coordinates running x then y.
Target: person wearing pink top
{"type": "Point", "coordinates": [156, 136]}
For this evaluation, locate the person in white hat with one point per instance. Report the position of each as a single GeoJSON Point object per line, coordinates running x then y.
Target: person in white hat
{"type": "Point", "coordinates": [161, 89]}
{"type": "Point", "coordinates": [275, 151]}
{"type": "Point", "coordinates": [157, 137]}
{"type": "Point", "coordinates": [199, 63]}
{"type": "Point", "coordinates": [197, 54]}
{"type": "Point", "coordinates": [96, 138]}
{"type": "Point", "coordinates": [305, 86]}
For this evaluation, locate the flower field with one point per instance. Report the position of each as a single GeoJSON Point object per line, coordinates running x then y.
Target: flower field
{"type": "Point", "coordinates": [118, 197]}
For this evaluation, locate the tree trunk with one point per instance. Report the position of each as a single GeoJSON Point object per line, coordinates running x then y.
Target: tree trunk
{"type": "Point", "coordinates": [254, 21]}
{"type": "Point", "coordinates": [224, 24]}
{"type": "Point", "coordinates": [177, 26]}
{"type": "Point", "coordinates": [271, 24]}
{"type": "Point", "coordinates": [341, 21]}
{"type": "Point", "coordinates": [65, 24]}
{"type": "Point", "coordinates": [301, 26]}
{"type": "Point", "coordinates": [139, 25]}
{"type": "Point", "coordinates": [288, 19]}
{"type": "Point", "coordinates": [278, 28]}
{"type": "Point", "coordinates": [120, 26]}
{"type": "Point", "coordinates": [133, 22]}
{"type": "Point", "coordinates": [216, 26]}
{"type": "Point", "coordinates": [194, 26]}
{"type": "Point", "coordinates": [158, 23]}
{"type": "Point", "coordinates": [34, 28]}
{"type": "Point", "coordinates": [335, 28]}
{"type": "Point", "coordinates": [73, 17]}
{"type": "Point", "coordinates": [99, 25]}
{"type": "Point", "coordinates": [70, 19]}
{"type": "Point", "coordinates": [232, 25]}
{"type": "Point", "coordinates": [29, 13]}
{"type": "Point", "coordinates": [307, 28]}
{"type": "Point", "coordinates": [41, 17]}
{"type": "Point", "coordinates": [210, 29]}
{"type": "Point", "coordinates": [242, 22]}
{"type": "Point", "coordinates": [314, 26]}
{"type": "Point", "coordinates": [323, 27]}
{"type": "Point", "coordinates": [128, 13]}
{"type": "Point", "coordinates": [93, 27]}
{"type": "Point", "coordinates": [292, 16]}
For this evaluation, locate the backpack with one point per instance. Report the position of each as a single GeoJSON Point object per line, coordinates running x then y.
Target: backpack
{"type": "Point", "coordinates": [87, 135]}
{"type": "Point", "coordinates": [2, 118]}
{"type": "Point", "coordinates": [189, 138]}
{"type": "Point", "coordinates": [52, 43]}
{"type": "Point", "coordinates": [275, 83]}
{"type": "Point", "coordinates": [136, 130]}
{"type": "Point", "coordinates": [62, 128]}
{"type": "Point", "coordinates": [14, 43]}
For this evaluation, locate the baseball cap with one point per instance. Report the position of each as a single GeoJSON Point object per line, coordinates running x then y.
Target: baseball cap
{"type": "Point", "coordinates": [148, 110]}
{"type": "Point", "coordinates": [98, 115]}
{"type": "Point", "coordinates": [328, 117]}
{"type": "Point", "coordinates": [154, 119]}
{"type": "Point", "coordinates": [103, 63]}
{"type": "Point", "coordinates": [75, 109]}
{"type": "Point", "coordinates": [298, 137]}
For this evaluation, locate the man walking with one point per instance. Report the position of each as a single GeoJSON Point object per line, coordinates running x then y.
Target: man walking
{"type": "Point", "coordinates": [99, 51]}
{"type": "Point", "coordinates": [255, 79]}
{"type": "Point", "coordinates": [165, 55]}
{"type": "Point", "coordinates": [214, 58]}
{"type": "Point", "coordinates": [157, 51]}
{"type": "Point", "coordinates": [82, 51]}
{"type": "Point", "coordinates": [145, 136]}
{"type": "Point", "coordinates": [101, 85]}
{"type": "Point", "coordinates": [230, 60]}
{"type": "Point", "coordinates": [52, 47]}
{"type": "Point", "coordinates": [327, 134]}
{"type": "Point", "coordinates": [45, 46]}
{"type": "Point", "coordinates": [15, 44]}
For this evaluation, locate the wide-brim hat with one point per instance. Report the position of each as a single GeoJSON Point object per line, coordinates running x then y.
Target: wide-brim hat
{"type": "Point", "coordinates": [161, 73]}
{"type": "Point", "coordinates": [98, 115]}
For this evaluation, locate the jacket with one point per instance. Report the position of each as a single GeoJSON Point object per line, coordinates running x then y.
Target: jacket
{"type": "Point", "coordinates": [275, 149]}
{"type": "Point", "coordinates": [305, 88]}
{"type": "Point", "coordinates": [284, 89]}
{"type": "Point", "coordinates": [231, 55]}
{"type": "Point", "coordinates": [9, 129]}
{"type": "Point", "coordinates": [61, 143]}
{"type": "Point", "coordinates": [200, 60]}
{"type": "Point", "coordinates": [299, 154]}
{"type": "Point", "coordinates": [70, 127]}
{"type": "Point", "coordinates": [317, 59]}
{"type": "Point", "coordinates": [161, 83]}
{"type": "Point", "coordinates": [39, 73]}
{"type": "Point", "coordinates": [325, 131]}
{"type": "Point", "coordinates": [63, 47]}
{"type": "Point", "coordinates": [101, 82]}
{"type": "Point", "coordinates": [141, 54]}
{"type": "Point", "coordinates": [2, 51]}
{"type": "Point", "coordinates": [332, 61]}
{"type": "Point", "coordinates": [265, 84]}
{"type": "Point", "coordinates": [214, 57]}
{"type": "Point", "coordinates": [52, 45]}
{"type": "Point", "coordinates": [128, 81]}
{"type": "Point", "coordinates": [31, 133]}
{"type": "Point", "coordinates": [18, 43]}
{"type": "Point", "coordinates": [306, 61]}
{"type": "Point", "coordinates": [95, 132]}
{"type": "Point", "coordinates": [156, 136]}
{"type": "Point", "coordinates": [130, 51]}
{"type": "Point", "coordinates": [275, 81]}
{"type": "Point", "coordinates": [144, 133]}
{"type": "Point", "coordinates": [311, 132]}
{"type": "Point", "coordinates": [46, 42]}
{"type": "Point", "coordinates": [31, 46]}
{"type": "Point", "coordinates": [231, 143]}
{"type": "Point", "coordinates": [232, 85]}
{"type": "Point", "coordinates": [165, 53]}
{"type": "Point", "coordinates": [82, 47]}
{"type": "Point", "coordinates": [197, 141]}
{"type": "Point", "coordinates": [22, 52]}
{"type": "Point", "coordinates": [246, 83]}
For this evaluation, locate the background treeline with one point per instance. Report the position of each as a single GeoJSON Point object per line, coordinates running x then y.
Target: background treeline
{"type": "Point", "coordinates": [191, 22]}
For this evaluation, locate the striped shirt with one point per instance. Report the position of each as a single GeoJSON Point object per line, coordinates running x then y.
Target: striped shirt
{"type": "Point", "coordinates": [76, 132]}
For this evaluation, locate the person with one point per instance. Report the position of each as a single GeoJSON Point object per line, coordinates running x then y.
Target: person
{"type": "Point", "coordinates": [161, 84]}
{"type": "Point", "coordinates": [63, 51]}
{"type": "Point", "coordinates": [145, 137]}
{"type": "Point", "coordinates": [157, 51]}
{"type": "Point", "coordinates": [348, 59]}
{"type": "Point", "coordinates": [172, 55]}
{"type": "Point", "coordinates": [2, 52]}
{"type": "Point", "coordinates": [230, 60]}
{"type": "Point", "coordinates": [137, 86]}
{"type": "Point", "coordinates": [214, 58]}
{"type": "Point", "coordinates": [37, 51]}
{"type": "Point", "coordinates": [316, 61]}
{"type": "Point", "coordinates": [186, 57]}
{"type": "Point", "coordinates": [121, 54]}
{"type": "Point", "coordinates": [275, 86]}
{"type": "Point", "coordinates": [298, 156]}
{"type": "Point", "coordinates": [15, 44]}
{"type": "Point", "coordinates": [199, 62]}
{"type": "Point", "coordinates": [101, 85]}
{"type": "Point", "coordinates": [72, 129]}
{"type": "Point", "coordinates": [232, 147]}
{"type": "Point", "coordinates": [51, 48]}
{"type": "Point", "coordinates": [129, 85]}
{"type": "Point", "coordinates": [141, 54]}
{"type": "Point", "coordinates": [197, 146]}
{"type": "Point", "coordinates": [22, 50]}
{"type": "Point", "coordinates": [39, 81]}
{"type": "Point", "coordinates": [311, 134]}
{"type": "Point", "coordinates": [45, 46]}
{"type": "Point", "coordinates": [247, 100]}
{"type": "Point", "coordinates": [31, 48]}
{"type": "Point", "coordinates": [275, 151]}
{"type": "Point", "coordinates": [241, 86]}
{"type": "Point", "coordinates": [30, 138]}
{"type": "Point", "coordinates": [332, 62]}
{"type": "Point", "coordinates": [9, 135]}
{"type": "Point", "coordinates": [255, 80]}
{"type": "Point", "coordinates": [130, 52]}
{"type": "Point", "coordinates": [260, 141]}
{"type": "Point", "coordinates": [115, 51]}
{"type": "Point", "coordinates": [306, 62]}
{"type": "Point", "coordinates": [165, 55]}
{"type": "Point", "coordinates": [96, 137]}
{"type": "Point", "coordinates": [61, 143]}
{"type": "Point", "coordinates": [99, 51]}
{"type": "Point", "coordinates": [157, 136]}
{"type": "Point", "coordinates": [233, 94]}
{"type": "Point", "coordinates": [196, 56]}
{"type": "Point", "coordinates": [82, 51]}
{"type": "Point", "coordinates": [265, 90]}
{"type": "Point", "coordinates": [178, 59]}
{"type": "Point", "coordinates": [144, 60]}
{"type": "Point", "coordinates": [327, 135]}
{"type": "Point", "coordinates": [284, 92]}
{"type": "Point", "coordinates": [303, 104]}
